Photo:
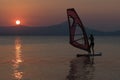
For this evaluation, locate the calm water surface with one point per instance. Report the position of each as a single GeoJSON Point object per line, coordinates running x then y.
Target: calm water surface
{"type": "Point", "coordinates": [52, 58]}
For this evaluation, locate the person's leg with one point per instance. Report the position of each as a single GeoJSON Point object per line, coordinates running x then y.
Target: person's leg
{"type": "Point", "coordinates": [90, 48]}
{"type": "Point", "coordinates": [93, 48]}
{"type": "Point", "coordinates": [92, 59]}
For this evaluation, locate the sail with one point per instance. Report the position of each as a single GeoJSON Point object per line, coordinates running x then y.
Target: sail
{"type": "Point", "coordinates": [74, 22]}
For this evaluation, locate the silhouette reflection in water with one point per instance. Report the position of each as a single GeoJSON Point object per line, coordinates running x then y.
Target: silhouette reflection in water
{"type": "Point", "coordinates": [17, 73]}
{"type": "Point", "coordinates": [81, 69]}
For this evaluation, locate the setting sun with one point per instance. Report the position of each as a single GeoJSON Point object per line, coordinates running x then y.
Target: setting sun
{"type": "Point", "coordinates": [17, 22]}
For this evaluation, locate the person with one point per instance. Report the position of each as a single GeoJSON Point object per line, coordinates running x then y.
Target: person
{"type": "Point", "coordinates": [91, 43]}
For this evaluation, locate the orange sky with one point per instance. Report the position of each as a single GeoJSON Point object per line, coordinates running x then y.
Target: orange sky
{"type": "Point", "coordinates": [94, 13]}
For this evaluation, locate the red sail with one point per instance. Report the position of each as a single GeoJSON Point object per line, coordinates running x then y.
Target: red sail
{"type": "Point", "coordinates": [71, 13]}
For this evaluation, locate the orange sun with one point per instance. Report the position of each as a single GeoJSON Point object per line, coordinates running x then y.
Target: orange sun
{"type": "Point", "coordinates": [17, 22]}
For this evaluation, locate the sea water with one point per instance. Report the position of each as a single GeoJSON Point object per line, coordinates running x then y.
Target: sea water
{"type": "Point", "coordinates": [53, 58]}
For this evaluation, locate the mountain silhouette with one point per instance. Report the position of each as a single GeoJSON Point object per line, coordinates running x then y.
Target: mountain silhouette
{"type": "Point", "coordinates": [55, 30]}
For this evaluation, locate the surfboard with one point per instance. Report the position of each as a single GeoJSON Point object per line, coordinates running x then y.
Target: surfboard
{"type": "Point", "coordinates": [95, 54]}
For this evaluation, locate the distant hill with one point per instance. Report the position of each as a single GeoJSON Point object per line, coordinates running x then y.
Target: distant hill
{"type": "Point", "coordinates": [60, 29]}
{"type": "Point", "coordinates": [56, 30]}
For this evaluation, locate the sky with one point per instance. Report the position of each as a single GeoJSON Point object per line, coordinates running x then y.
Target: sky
{"type": "Point", "coordinates": [97, 14]}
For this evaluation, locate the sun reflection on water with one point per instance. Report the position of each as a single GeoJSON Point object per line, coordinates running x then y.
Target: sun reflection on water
{"type": "Point", "coordinates": [18, 60]}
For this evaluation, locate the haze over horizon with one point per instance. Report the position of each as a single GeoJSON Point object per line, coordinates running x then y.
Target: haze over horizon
{"type": "Point", "coordinates": [100, 14]}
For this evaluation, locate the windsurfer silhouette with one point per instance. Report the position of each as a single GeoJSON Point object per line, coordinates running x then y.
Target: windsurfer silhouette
{"type": "Point", "coordinates": [91, 43]}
